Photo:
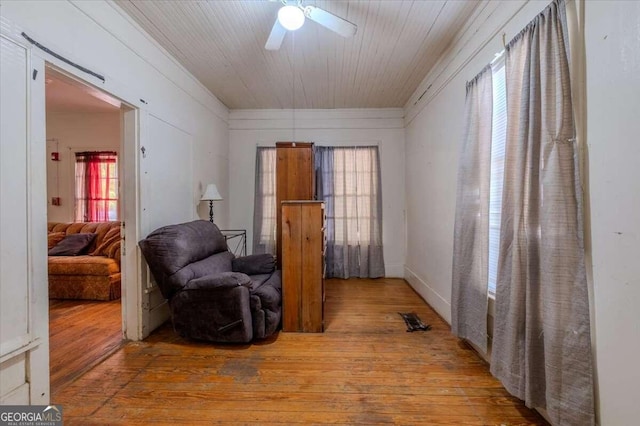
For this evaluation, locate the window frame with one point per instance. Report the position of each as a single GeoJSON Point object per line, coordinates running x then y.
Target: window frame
{"type": "Point", "coordinates": [74, 188]}
{"type": "Point", "coordinates": [355, 195]}
{"type": "Point", "coordinates": [267, 231]}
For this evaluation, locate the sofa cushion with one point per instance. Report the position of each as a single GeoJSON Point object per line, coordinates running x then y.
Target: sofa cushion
{"type": "Point", "coordinates": [82, 265]}
{"type": "Point", "coordinates": [98, 228]}
{"type": "Point", "coordinates": [72, 245]}
{"type": "Point", "coordinates": [111, 237]}
{"type": "Point", "coordinates": [54, 238]}
{"type": "Point", "coordinates": [101, 230]}
{"type": "Point", "coordinates": [114, 251]}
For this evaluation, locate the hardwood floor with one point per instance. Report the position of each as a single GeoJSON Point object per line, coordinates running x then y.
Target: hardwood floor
{"type": "Point", "coordinates": [81, 334]}
{"type": "Point", "coordinates": [365, 369]}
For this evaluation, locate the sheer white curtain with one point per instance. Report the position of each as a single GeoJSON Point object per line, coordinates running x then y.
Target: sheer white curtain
{"type": "Point", "coordinates": [348, 181]}
{"type": "Point", "coordinates": [471, 229]}
{"type": "Point", "coordinates": [264, 207]}
{"type": "Point", "coordinates": [541, 341]}
{"type": "Point", "coordinates": [541, 338]}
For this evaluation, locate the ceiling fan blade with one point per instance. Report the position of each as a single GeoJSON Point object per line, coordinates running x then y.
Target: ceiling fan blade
{"type": "Point", "coordinates": [276, 37]}
{"type": "Point", "coordinates": [331, 21]}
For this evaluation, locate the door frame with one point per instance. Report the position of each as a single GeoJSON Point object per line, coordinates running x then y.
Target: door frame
{"type": "Point", "coordinates": [132, 111]}
{"type": "Point", "coordinates": [25, 359]}
{"type": "Point", "coordinates": [35, 351]}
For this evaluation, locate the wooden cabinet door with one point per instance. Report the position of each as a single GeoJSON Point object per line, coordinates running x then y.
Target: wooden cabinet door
{"type": "Point", "coordinates": [311, 285]}
{"type": "Point", "coordinates": [294, 180]}
{"type": "Point", "coordinates": [302, 267]}
{"type": "Point", "coordinates": [291, 271]}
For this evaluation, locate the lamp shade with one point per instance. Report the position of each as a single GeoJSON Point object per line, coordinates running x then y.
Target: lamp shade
{"type": "Point", "coordinates": [211, 193]}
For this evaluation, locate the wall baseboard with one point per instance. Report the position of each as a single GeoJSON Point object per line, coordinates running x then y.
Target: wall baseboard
{"type": "Point", "coordinates": [394, 270]}
{"type": "Point", "coordinates": [435, 300]}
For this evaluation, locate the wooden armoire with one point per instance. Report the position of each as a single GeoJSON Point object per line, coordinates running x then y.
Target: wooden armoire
{"type": "Point", "coordinates": [295, 180]}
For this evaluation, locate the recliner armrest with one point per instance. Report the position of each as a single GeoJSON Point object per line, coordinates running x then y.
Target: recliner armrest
{"type": "Point", "coordinates": [219, 281]}
{"type": "Point", "coordinates": [254, 264]}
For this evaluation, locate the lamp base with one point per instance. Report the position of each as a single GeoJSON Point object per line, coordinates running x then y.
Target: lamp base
{"type": "Point", "coordinates": [211, 211]}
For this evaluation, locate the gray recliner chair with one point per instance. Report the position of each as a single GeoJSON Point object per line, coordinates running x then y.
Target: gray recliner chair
{"type": "Point", "coordinates": [213, 295]}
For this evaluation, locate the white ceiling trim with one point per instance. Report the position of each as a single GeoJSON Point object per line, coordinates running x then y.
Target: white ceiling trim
{"type": "Point", "coordinates": [324, 114]}
{"type": "Point", "coordinates": [359, 118]}
{"type": "Point", "coordinates": [472, 39]}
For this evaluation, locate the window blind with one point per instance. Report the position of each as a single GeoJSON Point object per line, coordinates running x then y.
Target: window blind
{"type": "Point", "coordinates": [498, 138]}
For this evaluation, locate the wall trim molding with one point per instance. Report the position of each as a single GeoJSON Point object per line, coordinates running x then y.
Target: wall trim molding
{"type": "Point", "coordinates": [319, 114]}
{"type": "Point", "coordinates": [465, 48]}
{"type": "Point", "coordinates": [433, 299]}
{"type": "Point", "coordinates": [394, 270]}
{"type": "Point", "coordinates": [351, 118]}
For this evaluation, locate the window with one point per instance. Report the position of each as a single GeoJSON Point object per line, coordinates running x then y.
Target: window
{"type": "Point", "coordinates": [350, 187]}
{"type": "Point", "coordinates": [498, 138]}
{"type": "Point", "coordinates": [96, 176]}
{"type": "Point", "coordinates": [355, 179]}
{"type": "Point", "coordinates": [348, 181]}
{"type": "Point", "coordinates": [264, 240]}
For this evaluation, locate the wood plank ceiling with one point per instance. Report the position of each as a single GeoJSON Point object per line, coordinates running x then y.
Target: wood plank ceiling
{"type": "Point", "coordinates": [222, 44]}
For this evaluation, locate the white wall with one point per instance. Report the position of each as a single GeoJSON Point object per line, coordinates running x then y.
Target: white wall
{"type": "Point", "coordinates": [382, 127]}
{"type": "Point", "coordinates": [100, 37]}
{"type": "Point", "coordinates": [97, 35]}
{"type": "Point", "coordinates": [433, 133]}
{"type": "Point", "coordinates": [67, 133]}
{"type": "Point", "coordinates": [613, 128]}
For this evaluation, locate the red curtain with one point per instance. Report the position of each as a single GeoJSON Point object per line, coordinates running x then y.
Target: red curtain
{"type": "Point", "coordinates": [96, 186]}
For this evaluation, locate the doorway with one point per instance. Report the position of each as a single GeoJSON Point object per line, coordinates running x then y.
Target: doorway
{"type": "Point", "coordinates": [85, 131]}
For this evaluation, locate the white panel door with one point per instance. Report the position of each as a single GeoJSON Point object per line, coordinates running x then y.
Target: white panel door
{"type": "Point", "coordinates": [24, 351]}
{"type": "Point", "coordinates": [167, 175]}
{"type": "Point", "coordinates": [166, 198]}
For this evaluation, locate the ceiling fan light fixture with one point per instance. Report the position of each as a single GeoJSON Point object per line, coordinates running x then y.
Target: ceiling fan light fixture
{"type": "Point", "coordinates": [291, 17]}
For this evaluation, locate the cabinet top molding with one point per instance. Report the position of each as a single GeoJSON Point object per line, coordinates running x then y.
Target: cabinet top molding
{"type": "Point", "coordinates": [294, 144]}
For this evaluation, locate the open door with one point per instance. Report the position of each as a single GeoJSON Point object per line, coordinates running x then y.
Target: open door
{"type": "Point", "coordinates": [24, 334]}
{"type": "Point", "coordinates": [163, 188]}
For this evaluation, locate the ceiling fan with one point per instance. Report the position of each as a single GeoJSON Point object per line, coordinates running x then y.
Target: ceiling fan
{"type": "Point", "coordinates": [291, 16]}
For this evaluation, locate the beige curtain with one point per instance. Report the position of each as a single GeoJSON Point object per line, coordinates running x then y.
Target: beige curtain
{"type": "Point", "coordinates": [471, 231]}
{"type": "Point", "coordinates": [541, 342]}
{"type": "Point", "coordinates": [348, 180]}
{"type": "Point", "coordinates": [264, 205]}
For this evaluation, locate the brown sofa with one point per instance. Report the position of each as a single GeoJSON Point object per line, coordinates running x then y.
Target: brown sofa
{"type": "Point", "coordinates": [93, 275]}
